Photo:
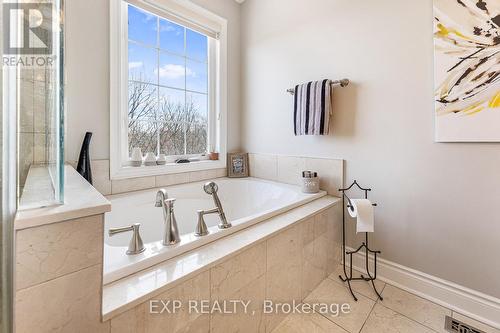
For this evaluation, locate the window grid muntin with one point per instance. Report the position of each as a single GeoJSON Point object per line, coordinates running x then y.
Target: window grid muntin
{"type": "Point", "coordinates": [185, 58]}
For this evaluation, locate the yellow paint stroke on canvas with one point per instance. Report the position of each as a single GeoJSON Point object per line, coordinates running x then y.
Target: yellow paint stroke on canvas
{"type": "Point", "coordinates": [474, 108]}
{"type": "Point", "coordinates": [443, 31]}
{"type": "Point", "coordinates": [495, 101]}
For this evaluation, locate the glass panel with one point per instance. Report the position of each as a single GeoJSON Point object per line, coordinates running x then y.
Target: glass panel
{"type": "Point", "coordinates": [172, 105]}
{"type": "Point", "coordinates": [172, 71]}
{"type": "Point", "coordinates": [171, 37]}
{"type": "Point", "coordinates": [196, 108]}
{"type": "Point", "coordinates": [172, 118]}
{"type": "Point", "coordinates": [142, 102]}
{"type": "Point", "coordinates": [196, 78]}
{"type": "Point", "coordinates": [196, 138]}
{"type": "Point", "coordinates": [142, 26]}
{"type": "Point", "coordinates": [172, 138]}
{"type": "Point", "coordinates": [143, 134]}
{"type": "Point", "coordinates": [40, 129]}
{"type": "Point", "coordinates": [196, 45]}
{"type": "Point", "coordinates": [158, 80]}
{"type": "Point", "coordinates": [142, 63]}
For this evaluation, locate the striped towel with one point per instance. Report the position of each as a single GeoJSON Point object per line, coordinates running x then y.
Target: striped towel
{"type": "Point", "coordinates": [312, 108]}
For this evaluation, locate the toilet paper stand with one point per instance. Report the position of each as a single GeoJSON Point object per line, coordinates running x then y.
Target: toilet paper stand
{"type": "Point", "coordinates": [349, 277]}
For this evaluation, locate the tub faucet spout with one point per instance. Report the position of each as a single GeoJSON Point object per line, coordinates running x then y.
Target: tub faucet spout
{"type": "Point", "coordinates": [161, 196]}
{"type": "Point", "coordinates": [171, 231]}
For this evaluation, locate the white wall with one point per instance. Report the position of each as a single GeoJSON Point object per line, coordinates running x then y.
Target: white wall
{"type": "Point", "coordinates": [87, 73]}
{"type": "Point", "coordinates": [434, 198]}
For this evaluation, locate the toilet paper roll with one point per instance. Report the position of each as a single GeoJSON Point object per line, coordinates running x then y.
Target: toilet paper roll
{"type": "Point", "coordinates": [362, 210]}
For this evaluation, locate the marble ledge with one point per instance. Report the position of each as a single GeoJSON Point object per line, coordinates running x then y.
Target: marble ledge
{"type": "Point", "coordinates": [80, 199]}
{"type": "Point", "coordinates": [135, 289]}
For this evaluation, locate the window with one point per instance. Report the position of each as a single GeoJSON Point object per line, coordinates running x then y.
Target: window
{"type": "Point", "coordinates": [168, 86]}
{"type": "Point", "coordinates": [169, 96]}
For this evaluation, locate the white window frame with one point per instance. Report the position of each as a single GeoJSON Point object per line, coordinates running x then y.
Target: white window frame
{"type": "Point", "coordinates": [217, 124]}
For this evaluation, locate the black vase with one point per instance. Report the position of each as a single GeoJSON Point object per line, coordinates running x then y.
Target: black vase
{"type": "Point", "coordinates": [83, 167]}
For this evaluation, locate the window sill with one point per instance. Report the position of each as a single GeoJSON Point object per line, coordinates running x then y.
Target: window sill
{"type": "Point", "coordinates": [124, 172]}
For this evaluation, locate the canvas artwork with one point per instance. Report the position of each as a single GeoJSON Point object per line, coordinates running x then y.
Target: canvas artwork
{"type": "Point", "coordinates": [466, 70]}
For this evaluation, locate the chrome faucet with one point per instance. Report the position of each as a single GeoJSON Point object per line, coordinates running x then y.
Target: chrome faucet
{"type": "Point", "coordinates": [171, 232]}
{"type": "Point", "coordinates": [201, 228]}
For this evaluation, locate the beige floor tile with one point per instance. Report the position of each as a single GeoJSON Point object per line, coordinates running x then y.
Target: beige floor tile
{"type": "Point", "coordinates": [310, 323]}
{"type": "Point", "coordinates": [385, 320]}
{"type": "Point", "coordinates": [416, 308]}
{"type": "Point", "coordinates": [331, 292]}
{"type": "Point", "coordinates": [359, 287]}
{"type": "Point", "coordinates": [475, 323]}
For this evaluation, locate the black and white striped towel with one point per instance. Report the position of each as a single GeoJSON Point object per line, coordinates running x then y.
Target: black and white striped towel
{"type": "Point", "coordinates": [312, 108]}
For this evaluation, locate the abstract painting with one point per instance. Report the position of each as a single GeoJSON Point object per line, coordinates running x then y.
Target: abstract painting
{"type": "Point", "coordinates": [467, 70]}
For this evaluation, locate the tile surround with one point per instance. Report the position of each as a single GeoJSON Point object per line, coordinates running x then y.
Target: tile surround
{"type": "Point", "coordinates": [100, 176]}
{"type": "Point", "coordinates": [196, 288]}
{"type": "Point", "coordinates": [251, 322]}
{"type": "Point", "coordinates": [263, 166]}
{"type": "Point", "coordinates": [132, 184]}
{"type": "Point", "coordinates": [284, 255]}
{"type": "Point", "coordinates": [314, 268]}
{"type": "Point", "coordinates": [287, 169]}
{"type": "Point", "coordinates": [57, 249]}
{"type": "Point", "coordinates": [70, 303]}
{"type": "Point", "coordinates": [259, 272]}
{"type": "Point", "coordinates": [127, 293]}
{"type": "Point", "coordinates": [232, 275]}
{"type": "Point", "coordinates": [33, 129]}
{"type": "Point", "coordinates": [256, 273]}
{"type": "Point", "coordinates": [102, 182]}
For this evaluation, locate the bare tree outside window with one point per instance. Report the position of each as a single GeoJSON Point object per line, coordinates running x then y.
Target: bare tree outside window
{"type": "Point", "coordinates": [153, 121]}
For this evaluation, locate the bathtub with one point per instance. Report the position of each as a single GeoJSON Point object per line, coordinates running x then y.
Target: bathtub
{"type": "Point", "coordinates": [246, 201]}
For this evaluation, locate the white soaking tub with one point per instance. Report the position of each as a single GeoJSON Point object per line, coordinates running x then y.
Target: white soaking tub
{"type": "Point", "coordinates": [245, 201]}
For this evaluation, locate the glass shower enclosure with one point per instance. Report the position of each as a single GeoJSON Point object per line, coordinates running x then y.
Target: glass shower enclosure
{"type": "Point", "coordinates": [32, 122]}
{"type": "Point", "coordinates": [41, 111]}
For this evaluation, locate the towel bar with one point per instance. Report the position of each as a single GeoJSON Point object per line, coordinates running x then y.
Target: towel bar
{"type": "Point", "coordinates": [343, 83]}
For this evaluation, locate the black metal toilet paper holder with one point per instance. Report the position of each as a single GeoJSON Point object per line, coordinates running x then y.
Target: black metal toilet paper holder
{"type": "Point", "coordinates": [349, 277]}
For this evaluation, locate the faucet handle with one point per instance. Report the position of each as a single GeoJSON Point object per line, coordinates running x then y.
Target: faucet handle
{"type": "Point", "coordinates": [136, 245]}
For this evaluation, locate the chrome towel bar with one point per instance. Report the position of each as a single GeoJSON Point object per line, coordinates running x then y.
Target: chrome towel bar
{"type": "Point", "coordinates": [342, 83]}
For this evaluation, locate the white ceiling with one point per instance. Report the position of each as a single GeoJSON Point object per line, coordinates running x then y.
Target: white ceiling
{"type": "Point", "coordinates": [239, 1]}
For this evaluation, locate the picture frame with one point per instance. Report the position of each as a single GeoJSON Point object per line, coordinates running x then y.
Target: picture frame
{"type": "Point", "coordinates": [237, 165]}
